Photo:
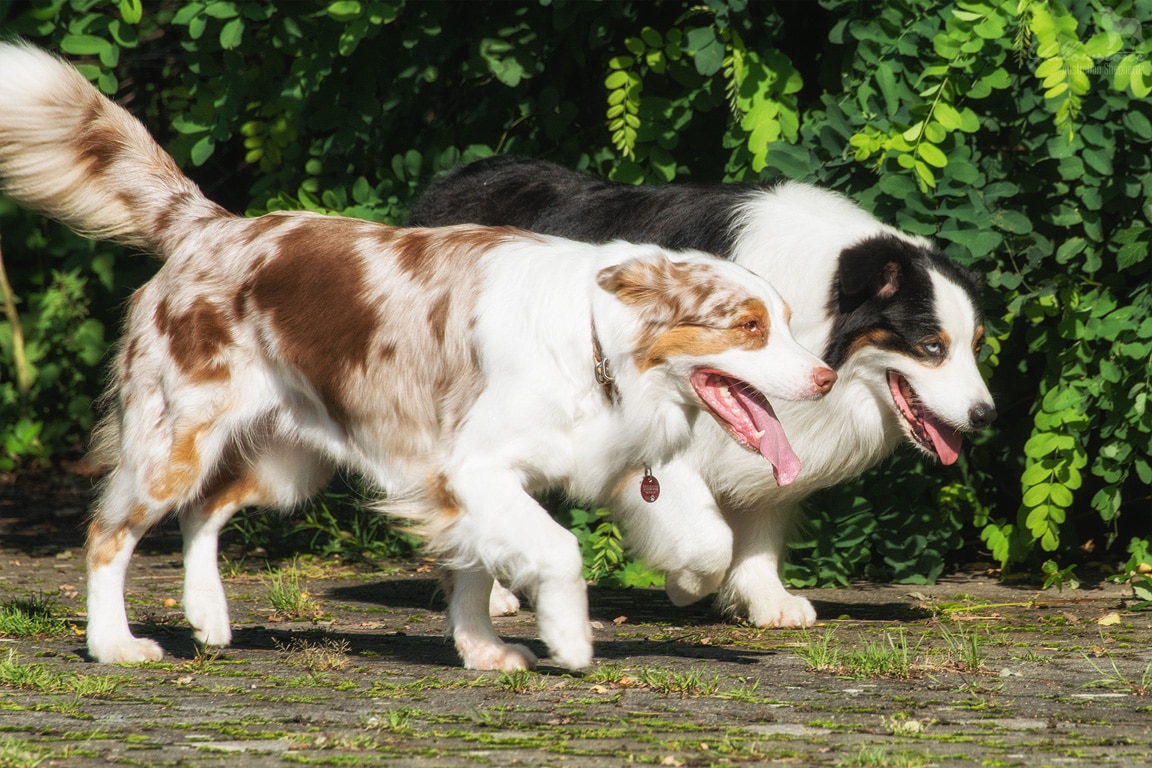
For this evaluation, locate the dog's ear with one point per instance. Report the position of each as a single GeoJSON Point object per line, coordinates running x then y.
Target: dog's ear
{"type": "Point", "coordinates": [636, 281]}
{"type": "Point", "coordinates": [872, 269]}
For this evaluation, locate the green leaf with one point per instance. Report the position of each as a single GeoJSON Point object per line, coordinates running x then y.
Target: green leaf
{"type": "Point", "coordinates": [131, 11]}
{"type": "Point", "coordinates": [616, 80]}
{"type": "Point", "coordinates": [1036, 495]}
{"type": "Point", "coordinates": [345, 10]}
{"type": "Point", "coordinates": [886, 79]}
{"type": "Point", "coordinates": [202, 150]}
{"type": "Point", "coordinates": [1131, 254]}
{"type": "Point", "coordinates": [948, 116]}
{"type": "Point", "coordinates": [222, 10]}
{"type": "Point", "coordinates": [1141, 82]}
{"type": "Point", "coordinates": [932, 155]}
{"type": "Point", "coordinates": [969, 121]}
{"type": "Point", "coordinates": [232, 34]}
{"type": "Point", "coordinates": [706, 50]}
{"type": "Point", "coordinates": [84, 45]}
{"type": "Point", "coordinates": [1014, 222]}
{"type": "Point", "coordinates": [1103, 44]}
{"type": "Point", "coordinates": [1035, 473]}
{"type": "Point", "coordinates": [925, 174]}
{"type": "Point", "coordinates": [794, 161]}
{"type": "Point", "coordinates": [998, 79]}
{"type": "Point", "coordinates": [1050, 67]}
{"type": "Point", "coordinates": [1137, 123]}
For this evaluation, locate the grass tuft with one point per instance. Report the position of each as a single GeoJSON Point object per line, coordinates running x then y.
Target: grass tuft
{"type": "Point", "coordinates": [44, 679]}
{"type": "Point", "coordinates": [891, 656]}
{"type": "Point", "coordinates": [31, 617]}
{"type": "Point", "coordinates": [288, 596]}
{"type": "Point", "coordinates": [326, 656]}
{"type": "Point", "coordinates": [18, 753]}
{"type": "Point", "coordinates": [682, 684]}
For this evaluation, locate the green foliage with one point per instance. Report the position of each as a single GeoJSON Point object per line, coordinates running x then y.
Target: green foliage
{"type": "Point", "coordinates": [56, 278]}
{"type": "Point", "coordinates": [1016, 133]}
{"type": "Point", "coordinates": [1142, 591]}
{"type": "Point", "coordinates": [1055, 576]}
{"type": "Point", "coordinates": [602, 548]}
{"type": "Point", "coordinates": [332, 524]}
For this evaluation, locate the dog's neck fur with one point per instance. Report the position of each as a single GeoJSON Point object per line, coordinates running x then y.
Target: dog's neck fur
{"type": "Point", "coordinates": [644, 424]}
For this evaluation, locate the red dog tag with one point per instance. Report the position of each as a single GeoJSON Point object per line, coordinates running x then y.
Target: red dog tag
{"type": "Point", "coordinates": [649, 486]}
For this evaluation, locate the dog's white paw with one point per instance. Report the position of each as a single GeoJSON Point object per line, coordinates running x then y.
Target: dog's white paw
{"type": "Point", "coordinates": [782, 610]}
{"type": "Point", "coordinates": [500, 657]}
{"type": "Point", "coordinates": [687, 587]}
{"type": "Point", "coordinates": [571, 653]}
{"type": "Point", "coordinates": [209, 620]}
{"type": "Point", "coordinates": [215, 633]}
{"type": "Point", "coordinates": [125, 649]}
{"type": "Point", "coordinates": [502, 602]}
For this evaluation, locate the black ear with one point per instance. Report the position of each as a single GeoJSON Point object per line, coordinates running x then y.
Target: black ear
{"type": "Point", "coordinates": [871, 269]}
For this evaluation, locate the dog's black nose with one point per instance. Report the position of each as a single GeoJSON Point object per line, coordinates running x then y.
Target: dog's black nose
{"type": "Point", "coordinates": [981, 415]}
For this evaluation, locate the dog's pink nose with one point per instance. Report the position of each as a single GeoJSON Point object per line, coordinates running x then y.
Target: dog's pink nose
{"type": "Point", "coordinates": [823, 379]}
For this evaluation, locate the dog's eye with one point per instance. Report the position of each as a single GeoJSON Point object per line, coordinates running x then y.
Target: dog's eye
{"type": "Point", "coordinates": [753, 327]}
{"type": "Point", "coordinates": [933, 348]}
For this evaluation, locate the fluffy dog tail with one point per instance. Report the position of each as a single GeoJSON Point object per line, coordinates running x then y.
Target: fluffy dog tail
{"type": "Point", "coordinates": [72, 154]}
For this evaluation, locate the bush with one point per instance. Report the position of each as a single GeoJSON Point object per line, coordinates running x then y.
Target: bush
{"type": "Point", "coordinates": [1015, 132]}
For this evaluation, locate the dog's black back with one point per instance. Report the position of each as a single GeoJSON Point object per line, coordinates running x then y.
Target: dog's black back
{"type": "Point", "coordinates": [550, 199]}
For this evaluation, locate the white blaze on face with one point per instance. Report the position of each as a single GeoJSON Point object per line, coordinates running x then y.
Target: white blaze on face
{"type": "Point", "coordinates": [942, 397]}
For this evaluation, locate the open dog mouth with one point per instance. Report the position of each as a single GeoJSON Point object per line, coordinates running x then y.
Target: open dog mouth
{"type": "Point", "coordinates": [926, 428]}
{"type": "Point", "coordinates": [748, 416]}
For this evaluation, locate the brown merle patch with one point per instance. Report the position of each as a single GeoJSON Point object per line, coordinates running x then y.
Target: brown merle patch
{"type": "Point", "coordinates": [196, 339]}
{"type": "Point", "coordinates": [423, 254]}
{"type": "Point", "coordinates": [182, 471]}
{"type": "Point", "coordinates": [314, 290]}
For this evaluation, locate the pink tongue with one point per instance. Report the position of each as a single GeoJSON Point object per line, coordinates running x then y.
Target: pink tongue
{"type": "Point", "coordinates": [945, 440]}
{"type": "Point", "coordinates": [774, 445]}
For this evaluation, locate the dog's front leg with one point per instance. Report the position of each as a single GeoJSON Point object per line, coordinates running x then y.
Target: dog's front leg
{"type": "Point", "coordinates": [753, 586]}
{"type": "Point", "coordinates": [681, 533]}
{"type": "Point", "coordinates": [500, 529]}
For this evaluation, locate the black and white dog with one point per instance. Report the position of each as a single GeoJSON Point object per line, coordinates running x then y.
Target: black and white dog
{"type": "Point", "coordinates": [899, 321]}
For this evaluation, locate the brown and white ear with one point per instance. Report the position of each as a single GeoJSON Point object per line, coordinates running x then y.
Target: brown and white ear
{"type": "Point", "coordinates": [638, 280]}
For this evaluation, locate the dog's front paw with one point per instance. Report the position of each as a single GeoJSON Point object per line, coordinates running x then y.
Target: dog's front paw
{"type": "Point", "coordinates": [125, 649]}
{"type": "Point", "coordinates": [502, 602]}
{"type": "Point", "coordinates": [210, 622]}
{"type": "Point", "coordinates": [687, 587]}
{"type": "Point", "coordinates": [571, 654]}
{"type": "Point", "coordinates": [783, 610]}
{"type": "Point", "coordinates": [501, 657]}
{"type": "Point", "coordinates": [214, 633]}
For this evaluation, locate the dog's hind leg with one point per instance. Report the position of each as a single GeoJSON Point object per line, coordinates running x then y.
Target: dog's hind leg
{"type": "Point", "coordinates": [158, 469]}
{"type": "Point", "coordinates": [281, 477]}
{"type": "Point", "coordinates": [119, 520]}
{"type": "Point", "coordinates": [753, 585]}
